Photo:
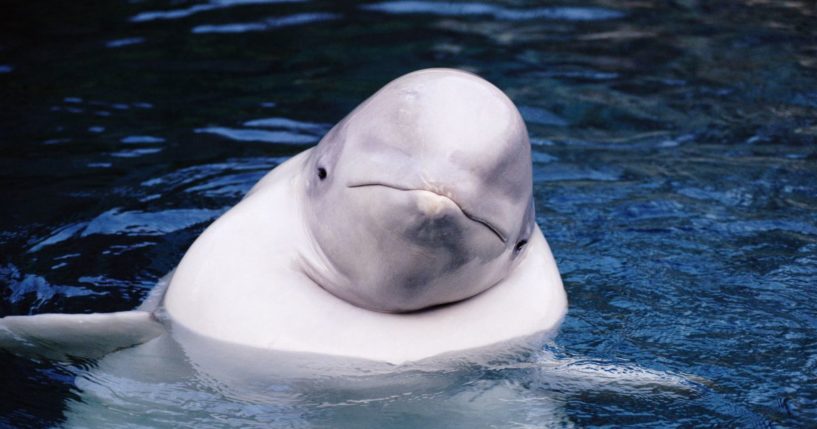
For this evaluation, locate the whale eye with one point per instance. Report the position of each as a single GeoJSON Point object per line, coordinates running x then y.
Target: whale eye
{"type": "Point", "coordinates": [519, 246]}
{"type": "Point", "coordinates": [321, 173]}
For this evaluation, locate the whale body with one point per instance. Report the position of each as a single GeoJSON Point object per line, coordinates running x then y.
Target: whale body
{"type": "Point", "coordinates": [406, 236]}
{"type": "Point", "coordinates": [407, 232]}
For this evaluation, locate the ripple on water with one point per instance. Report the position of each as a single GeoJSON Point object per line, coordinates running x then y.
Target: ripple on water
{"type": "Point", "coordinates": [59, 235]}
{"type": "Point", "coordinates": [541, 116]}
{"type": "Point", "coordinates": [673, 161]}
{"type": "Point", "coordinates": [35, 290]}
{"type": "Point", "coordinates": [138, 223]}
{"type": "Point", "coordinates": [224, 181]}
{"type": "Point", "coordinates": [231, 185]}
{"type": "Point", "coordinates": [201, 7]}
{"type": "Point", "coordinates": [290, 124]}
{"type": "Point", "coordinates": [142, 139]}
{"type": "Point", "coordinates": [735, 227]}
{"type": "Point", "coordinates": [129, 41]}
{"type": "Point", "coordinates": [136, 153]}
{"type": "Point", "coordinates": [263, 136]}
{"type": "Point", "coordinates": [497, 12]}
{"type": "Point", "coordinates": [559, 172]}
{"type": "Point", "coordinates": [266, 24]}
{"type": "Point", "coordinates": [287, 131]}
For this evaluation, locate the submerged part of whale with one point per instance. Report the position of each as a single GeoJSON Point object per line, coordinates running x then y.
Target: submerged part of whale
{"type": "Point", "coordinates": [407, 232]}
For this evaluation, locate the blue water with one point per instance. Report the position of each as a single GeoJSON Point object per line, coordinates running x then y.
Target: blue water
{"type": "Point", "coordinates": [675, 177]}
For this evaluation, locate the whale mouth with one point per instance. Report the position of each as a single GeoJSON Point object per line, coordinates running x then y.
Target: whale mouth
{"type": "Point", "coordinates": [467, 214]}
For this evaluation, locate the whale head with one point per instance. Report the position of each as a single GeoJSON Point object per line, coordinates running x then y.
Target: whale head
{"type": "Point", "coordinates": [421, 196]}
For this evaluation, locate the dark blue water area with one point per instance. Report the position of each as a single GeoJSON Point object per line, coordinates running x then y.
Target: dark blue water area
{"type": "Point", "coordinates": [675, 169]}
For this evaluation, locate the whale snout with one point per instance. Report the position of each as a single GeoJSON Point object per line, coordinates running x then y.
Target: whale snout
{"type": "Point", "coordinates": [435, 221]}
{"type": "Point", "coordinates": [421, 247]}
{"type": "Point", "coordinates": [427, 218]}
{"type": "Point", "coordinates": [435, 206]}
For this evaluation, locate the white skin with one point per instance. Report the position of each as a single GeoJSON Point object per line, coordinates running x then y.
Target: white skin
{"type": "Point", "coordinates": [419, 197]}
{"type": "Point", "coordinates": [429, 180]}
{"type": "Point", "coordinates": [408, 232]}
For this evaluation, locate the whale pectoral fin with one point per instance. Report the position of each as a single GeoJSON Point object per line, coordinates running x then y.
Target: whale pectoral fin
{"type": "Point", "coordinates": [89, 336]}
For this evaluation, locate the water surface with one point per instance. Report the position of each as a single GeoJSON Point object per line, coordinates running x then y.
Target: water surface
{"type": "Point", "coordinates": [675, 177]}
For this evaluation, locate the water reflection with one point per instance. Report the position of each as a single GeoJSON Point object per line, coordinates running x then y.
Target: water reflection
{"type": "Point", "coordinates": [674, 167]}
{"type": "Point", "coordinates": [496, 12]}
{"type": "Point", "coordinates": [118, 43]}
{"type": "Point", "coordinates": [267, 24]}
{"type": "Point", "coordinates": [200, 380]}
{"type": "Point", "coordinates": [141, 139]}
{"type": "Point", "coordinates": [286, 131]}
{"type": "Point", "coordinates": [116, 221]}
{"type": "Point", "coordinates": [34, 290]}
{"type": "Point", "coordinates": [202, 7]}
{"type": "Point", "coordinates": [253, 135]}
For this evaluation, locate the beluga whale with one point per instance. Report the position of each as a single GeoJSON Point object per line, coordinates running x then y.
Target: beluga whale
{"type": "Point", "coordinates": [408, 232]}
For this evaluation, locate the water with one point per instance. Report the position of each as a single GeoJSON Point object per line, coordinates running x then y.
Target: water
{"type": "Point", "coordinates": [675, 173]}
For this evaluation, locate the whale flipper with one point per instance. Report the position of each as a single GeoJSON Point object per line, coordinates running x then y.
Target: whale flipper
{"type": "Point", "coordinates": [89, 336]}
